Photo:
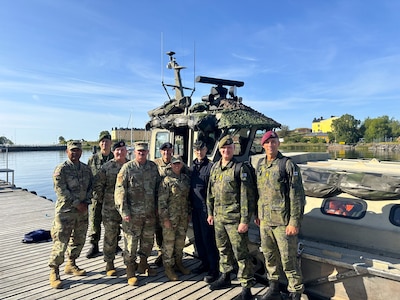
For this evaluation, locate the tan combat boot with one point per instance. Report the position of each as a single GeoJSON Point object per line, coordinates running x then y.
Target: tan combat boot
{"type": "Point", "coordinates": [179, 267]}
{"type": "Point", "coordinates": [170, 273]}
{"type": "Point", "coordinates": [72, 268]}
{"type": "Point", "coordinates": [130, 274]}
{"type": "Point", "coordinates": [55, 281]}
{"type": "Point", "coordinates": [144, 268]}
{"type": "Point", "coordinates": [110, 269]}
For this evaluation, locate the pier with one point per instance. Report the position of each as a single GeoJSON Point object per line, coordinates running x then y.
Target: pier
{"type": "Point", "coordinates": [24, 271]}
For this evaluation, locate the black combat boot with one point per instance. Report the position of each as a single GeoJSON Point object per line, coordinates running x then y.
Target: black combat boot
{"type": "Point", "coordinates": [273, 292]}
{"type": "Point", "coordinates": [224, 281]}
{"type": "Point", "coordinates": [244, 295]}
{"type": "Point", "coordinates": [295, 296]}
{"type": "Point", "coordinates": [93, 251]}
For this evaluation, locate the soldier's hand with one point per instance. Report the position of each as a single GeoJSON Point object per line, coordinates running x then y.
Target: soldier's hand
{"type": "Point", "coordinates": [210, 220]}
{"type": "Point", "coordinates": [167, 223]}
{"type": "Point", "coordinates": [82, 207]}
{"type": "Point", "coordinates": [127, 218]}
{"type": "Point", "coordinates": [292, 230]}
{"type": "Point", "coordinates": [257, 222]}
{"type": "Point", "coordinates": [242, 228]}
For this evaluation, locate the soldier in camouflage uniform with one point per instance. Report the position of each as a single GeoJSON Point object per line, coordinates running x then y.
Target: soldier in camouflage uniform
{"type": "Point", "coordinates": [163, 163]}
{"type": "Point", "coordinates": [280, 211]}
{"type": "Point", "coordinates": [95, 162]}
{"type": "Point", "coordinates": [230, 206]}
{"type": "Point", "coordinates": [135, 197]}
{"type": "Point", "coordinates": [103, 192]}
{"type": "Point", "coordinates": [73, 186]}
{"type": "Point", "coordinates": [173, 211]}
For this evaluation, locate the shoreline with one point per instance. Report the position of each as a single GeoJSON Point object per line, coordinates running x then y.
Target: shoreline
{"type": "Point", "coordinates": [16, 148]}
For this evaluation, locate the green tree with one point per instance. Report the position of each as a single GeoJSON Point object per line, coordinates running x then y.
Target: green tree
{"type": "Point", "coordinates": [346, 129]}
{"type": "Point", "coordinates": [284, 132]}
{"type": "Point", "coordinates": [61, 140]}
{"type": "Point", "coordinates": [4, 140]}
{"type": "Point", "coordinates": [377, 129]}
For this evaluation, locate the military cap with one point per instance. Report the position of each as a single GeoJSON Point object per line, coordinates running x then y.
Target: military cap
{"type": "Point", "coordinates": [75, 144]}
{"type": "Point", "coordinates": [141, 146]}
{"type": "Point", "coordinates": [104, 135]}
{"type": "Point", "coordinates": [268, 135]}
{"type": "Point", "coordinates": [176, 159]}
{"type": "Point", "coordinates": [199, 144]}
{"type": "Point", "coordinates": [226, 140]}
{"type": "Point", "coordinates": [118, 144]}
{"type": "Point", "coordinates": [166, 145]}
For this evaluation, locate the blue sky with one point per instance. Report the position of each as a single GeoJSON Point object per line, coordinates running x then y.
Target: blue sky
{"type": "Point", "coordinates": [74, 68]}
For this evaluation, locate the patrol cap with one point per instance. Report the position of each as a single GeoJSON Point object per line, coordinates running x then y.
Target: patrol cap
{"type": "Point", "coordinates": [176, 159]}
{"type": "Point", "coordinates": [268, 135]}
{"type": "Point", "coordinates": [104, 135]}
{"type": "Point", "coordinates": [118, 144]}
{"type": "Point", "coordinates": [75, 144]}
{"type": "Point", "coordinates": [226, 140]}
{"type": "Point", "coordinates": [166, 145]}
{"type": "Point", "coordinates": [199, 145]}
{"type": "Point", "coordinates": [141, 146]}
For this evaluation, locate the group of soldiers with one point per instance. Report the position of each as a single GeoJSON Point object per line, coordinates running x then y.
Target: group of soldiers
{"type": "Point", "coordinates": [153, 201]}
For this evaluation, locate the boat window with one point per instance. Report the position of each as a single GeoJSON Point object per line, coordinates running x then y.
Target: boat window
{"type": "Point", "coordinates": [161, 138]}
{"type": "Point", "coordinates": [344, 207]}
{"type": "Point", "coordinates": [394, 216]}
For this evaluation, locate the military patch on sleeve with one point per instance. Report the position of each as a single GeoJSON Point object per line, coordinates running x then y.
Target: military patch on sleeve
{"type": "Point", "coordinates": [295, 173]}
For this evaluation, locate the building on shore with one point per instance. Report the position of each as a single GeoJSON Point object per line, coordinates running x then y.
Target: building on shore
{"type": "Point", "coordinates": [130, 134]}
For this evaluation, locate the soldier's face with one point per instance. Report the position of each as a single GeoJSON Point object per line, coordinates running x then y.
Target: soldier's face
{"type": "Point", "coordinates": [271, 147]}
{"type": "Point", "coordinates": [141, 156]}
{"type": "Point", "coordinates": [200, 153]}
{"type": "Point", "coordinates": [177, 167]}
{"type": "Point", "coordinates": [166, 154]}
{"type": "Point", "coordinates": [120, 154]}
{"type": "Point", "coordinates": [227, 151]}
{"type": "Point", "coordinates": [74, 155]}
{"type": "Point", "coordinates": [105, 145]}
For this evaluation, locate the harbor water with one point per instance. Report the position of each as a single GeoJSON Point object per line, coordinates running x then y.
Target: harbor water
{"type": "Point", "coordinates": [33, 170]}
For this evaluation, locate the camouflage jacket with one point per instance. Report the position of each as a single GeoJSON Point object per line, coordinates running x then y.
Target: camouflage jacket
{"type": "Point", "coordinates": [97, 160]}
{"type": "Point", "coordinates": [228, 197]}
{"type": "Point", "coordinates": [173, 197]}
{"type": "Point", "coordinates": [136, 188]}
{"type": "Point", "coordinates": [72, 184]}
{"type": "Point", "coordinates": [280, 203]}
{"type": "Point", "coordinates": [104, 184]}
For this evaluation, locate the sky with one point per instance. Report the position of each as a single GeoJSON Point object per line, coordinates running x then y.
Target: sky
{"type": "Point", "coordinates": [73, 68]}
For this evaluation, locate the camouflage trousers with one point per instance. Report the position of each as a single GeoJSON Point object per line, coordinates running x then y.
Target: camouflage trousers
{"type": "Point", "coordinates": [232, 246]}
{"type": "Point", "coordinates": [112, 222]}
{"type": "Point", "coordinates": [174, 240]}
{"type": "Point", "coordinates": [280, 252]}
{"type": "Point", "coordinates": [138, 232]}
{"type": "Point", "coordinates": [68, 233]}
{"type": "Point", "coordinates": [95, 221]}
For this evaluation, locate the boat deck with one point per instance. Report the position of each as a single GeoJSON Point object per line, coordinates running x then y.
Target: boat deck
{"type": "Point", "coordinates": [24, 273]}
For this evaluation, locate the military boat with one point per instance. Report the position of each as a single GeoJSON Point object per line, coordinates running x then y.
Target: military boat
{"type": "Point", "coordinates": [350, 232]}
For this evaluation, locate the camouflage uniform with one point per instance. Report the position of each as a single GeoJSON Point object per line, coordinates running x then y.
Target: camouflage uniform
{"type": "Point", "coordinates": [135, 195]}
{"type": "Point", "coordinates": [230, 203]}
{"type": "Point", "coordinates": [95, 162]}
{"type": "Point", "coordinates": [103, 192]}
{"type": "Point", "coordinates": [73, 185]}
{"type": "Point", "coordinates": [278, 208]}
{"type": "Point", "coordinates": [173, 205]}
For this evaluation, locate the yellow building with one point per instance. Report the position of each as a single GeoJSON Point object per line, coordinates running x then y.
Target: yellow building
{"type": "Point", "coordinates": [128, 134]}
{"type": "Point", "coordinates": [323, 125]}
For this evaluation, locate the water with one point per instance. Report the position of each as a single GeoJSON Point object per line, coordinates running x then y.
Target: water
{"type": "Point", "coordinates": [33, 170]}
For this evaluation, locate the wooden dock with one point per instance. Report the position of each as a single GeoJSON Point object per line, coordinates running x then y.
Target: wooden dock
{"type": "Point", "coordinates": [24, 271]}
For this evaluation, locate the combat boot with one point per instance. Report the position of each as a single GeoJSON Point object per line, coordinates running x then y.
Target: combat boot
{"type": "Point", "coordinates": [144, 268]}
{"type": "Point", "coordinates": [179, 267]}
{"type": "Point", "coordinates": [110, 269]}
{"type": "Point", "coordinates": [55, 281]}
{"type": "Point", "coordinates": [295, 296]}
{"type": "Point", "coordinates": [224, 281]}
{"type": "Point", "coordinates": [170, 273]}
{"type": "Point", "coordinates": [159, 261]}
{"type": "Point", "coordinates": [130, 274]}
{"type": "Point", "coordinates": [93, 251]}
{"type": "Point", "coordinates": [72, 268]}
{"type": "Point", "coordinates": [244, 295]}
{"type": "Point", "coordinates": [273, 292]}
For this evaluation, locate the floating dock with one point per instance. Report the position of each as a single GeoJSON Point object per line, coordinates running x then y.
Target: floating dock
{"type": "Point", "coordinates": [24, 271]}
